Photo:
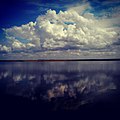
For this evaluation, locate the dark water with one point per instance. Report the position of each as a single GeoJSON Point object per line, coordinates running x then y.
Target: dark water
{"type": "Point", "coordinates": [55, 88]}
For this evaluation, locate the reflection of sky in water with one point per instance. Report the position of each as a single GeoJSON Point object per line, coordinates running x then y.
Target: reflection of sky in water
{"type": "Point", "coordinates": [54, 82]}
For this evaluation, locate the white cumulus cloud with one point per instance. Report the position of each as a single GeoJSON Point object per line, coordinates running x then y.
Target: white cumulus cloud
{"type": "Point", "coordinates": [4, 48]}
{"type": "Point", "coordinates": [73, 28]}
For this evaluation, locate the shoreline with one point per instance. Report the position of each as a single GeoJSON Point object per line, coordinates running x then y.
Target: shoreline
{"type": "Point", "coordinates": [59, 60]}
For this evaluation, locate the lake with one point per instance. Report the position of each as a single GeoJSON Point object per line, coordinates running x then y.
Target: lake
{"type": "Point", "coordinates": [80, 87]}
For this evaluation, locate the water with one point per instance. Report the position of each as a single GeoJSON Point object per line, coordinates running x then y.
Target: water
{"type": "Point", "coordinates": [60, 86]}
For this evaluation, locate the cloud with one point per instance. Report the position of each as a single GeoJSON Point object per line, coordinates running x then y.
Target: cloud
{"type": "Point", "coordinates": [4, 48]}
{"type": "Point", "coordinates": [17, 45]}
{"type": "Point", "coordinates": [26, 33]}
{"type": "Point", "coordinates": [76, 28]}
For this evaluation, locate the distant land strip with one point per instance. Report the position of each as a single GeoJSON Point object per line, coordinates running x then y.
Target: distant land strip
{"type": "Point", "coordinates": [59, 60]}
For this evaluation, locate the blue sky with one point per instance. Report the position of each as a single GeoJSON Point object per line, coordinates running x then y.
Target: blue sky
{"type": "Point", "coordinates": [21, 12]}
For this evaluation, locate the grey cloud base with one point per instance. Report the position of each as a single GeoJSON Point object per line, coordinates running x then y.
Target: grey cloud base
{"type": "Point", "coordinates": [76, 54]}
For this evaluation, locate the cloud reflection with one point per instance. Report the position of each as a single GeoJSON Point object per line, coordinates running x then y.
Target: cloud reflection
{"type": "Point", "coordinates": [62, 81]}
{"type": "Point", "coordinates": [99, 83]}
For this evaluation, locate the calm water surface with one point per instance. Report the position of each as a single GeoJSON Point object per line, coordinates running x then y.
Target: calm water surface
{"type": "Point", "coordinates": [57, 86]}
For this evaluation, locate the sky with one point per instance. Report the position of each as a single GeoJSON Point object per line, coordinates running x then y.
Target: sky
{"type": "Point", "coordinates": [45, 29]}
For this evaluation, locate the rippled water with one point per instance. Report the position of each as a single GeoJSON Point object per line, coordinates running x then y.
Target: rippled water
{"type": "Point", "coordinates": [61, 85]}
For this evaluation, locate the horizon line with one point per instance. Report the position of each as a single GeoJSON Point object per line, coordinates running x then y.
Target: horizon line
{"type": "Point", "coordinates": [60, 60]}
